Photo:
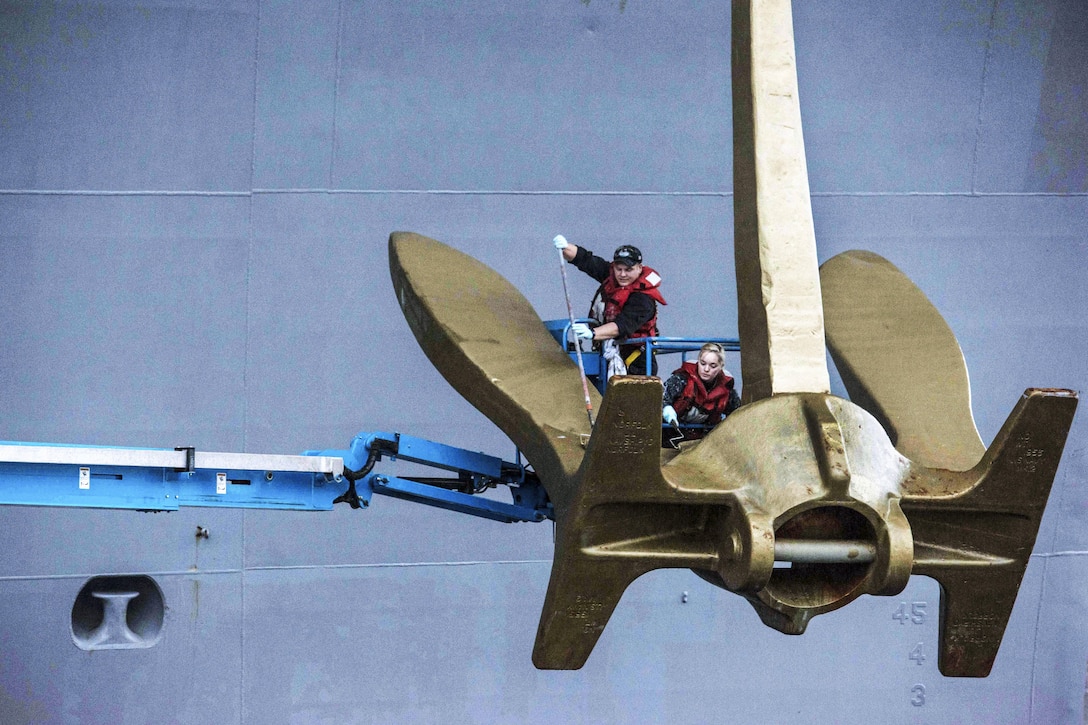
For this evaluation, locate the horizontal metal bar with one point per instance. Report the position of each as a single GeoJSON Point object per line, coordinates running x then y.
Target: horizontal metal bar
{"type": "Point", "coordinates": [688, 344]}
{"type": "Point", "coordinates": [91, 455]}
{"type": "Point", "coordinates": [816, 551]}
{"type": "Point", "coordinates": [162, 458]}
{"type": "Point", "coordinates": [270, 462]}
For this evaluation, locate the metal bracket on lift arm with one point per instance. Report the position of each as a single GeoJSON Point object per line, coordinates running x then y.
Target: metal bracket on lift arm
{"type": "Point", "coordinates": [475, 473]}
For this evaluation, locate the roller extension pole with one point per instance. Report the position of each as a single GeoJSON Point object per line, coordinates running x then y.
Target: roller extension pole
{"type": "Point", "coordinates": [577, 342]}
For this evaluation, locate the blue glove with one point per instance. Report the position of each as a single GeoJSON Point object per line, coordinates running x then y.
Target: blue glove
{"type": "Point", "coordinates": [582, 331]}
{"type": "Point", "coordinates": [560, 242]}
{"type": "Point", "coordinates": [668, 414]}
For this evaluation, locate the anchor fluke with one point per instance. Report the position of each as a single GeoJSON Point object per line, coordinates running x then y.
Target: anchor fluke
{"type": "Point", "coordinates": [899, 360]}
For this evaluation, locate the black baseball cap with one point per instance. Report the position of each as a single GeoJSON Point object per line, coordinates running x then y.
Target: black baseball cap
{"type": "Point", "coordinates": [627, 255]}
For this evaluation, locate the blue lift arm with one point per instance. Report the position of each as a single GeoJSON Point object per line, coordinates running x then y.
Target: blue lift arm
{"type": "Point", "coordinates": [151, 479]}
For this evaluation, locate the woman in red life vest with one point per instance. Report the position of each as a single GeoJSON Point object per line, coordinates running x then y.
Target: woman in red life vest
{"type": "Point", "coordinates": [625, 305]}
{"type": "Point", "coordinates": [700, 393]}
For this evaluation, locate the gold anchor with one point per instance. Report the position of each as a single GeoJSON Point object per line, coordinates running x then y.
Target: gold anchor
{"type": "Point", "coordinates": [855, 495]}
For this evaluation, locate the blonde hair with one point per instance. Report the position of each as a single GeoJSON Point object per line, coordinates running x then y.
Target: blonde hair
{"type": "Point", "coordinates": [714, 348]}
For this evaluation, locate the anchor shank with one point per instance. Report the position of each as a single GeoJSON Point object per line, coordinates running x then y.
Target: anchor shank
{"type": "Point", "coordinates": [778, 285]}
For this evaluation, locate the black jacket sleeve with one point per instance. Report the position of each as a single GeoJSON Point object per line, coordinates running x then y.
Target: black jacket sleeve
{"type": "Point", "coordinates": [591, 264]}
{"type": "Point", "coordinates": [673, 387]}
{"type": "Point", "coordinates": [734, 401]}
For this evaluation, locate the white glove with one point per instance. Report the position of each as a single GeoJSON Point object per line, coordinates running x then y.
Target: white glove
{"type": "Point", "coordinates": [582, 331]}
{"type": "Point", "coordinates": [668, 414]}
{"type": "Point", "coordinates": [560, 242]}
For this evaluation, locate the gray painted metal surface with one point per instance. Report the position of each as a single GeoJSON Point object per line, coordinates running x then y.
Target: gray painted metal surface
{"type": "Point", "coordinates": [194, 204]}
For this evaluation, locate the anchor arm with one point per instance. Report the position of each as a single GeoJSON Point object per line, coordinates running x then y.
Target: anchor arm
{"type": "Point", "coordinates": [974, 531]}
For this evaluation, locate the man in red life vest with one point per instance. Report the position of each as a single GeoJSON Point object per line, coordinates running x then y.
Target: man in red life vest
{"type": "Point", "coordinates": [625, 305]}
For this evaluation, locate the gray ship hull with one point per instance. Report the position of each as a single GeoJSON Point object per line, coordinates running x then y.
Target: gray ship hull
{"type": "Point", "coordinates": [195, 207]}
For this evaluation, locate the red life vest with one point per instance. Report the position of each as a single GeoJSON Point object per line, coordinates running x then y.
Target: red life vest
{"type": "Point", "coordinates": [615, 297]}
{"type": "Point", "coordinates": [696, 394]}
